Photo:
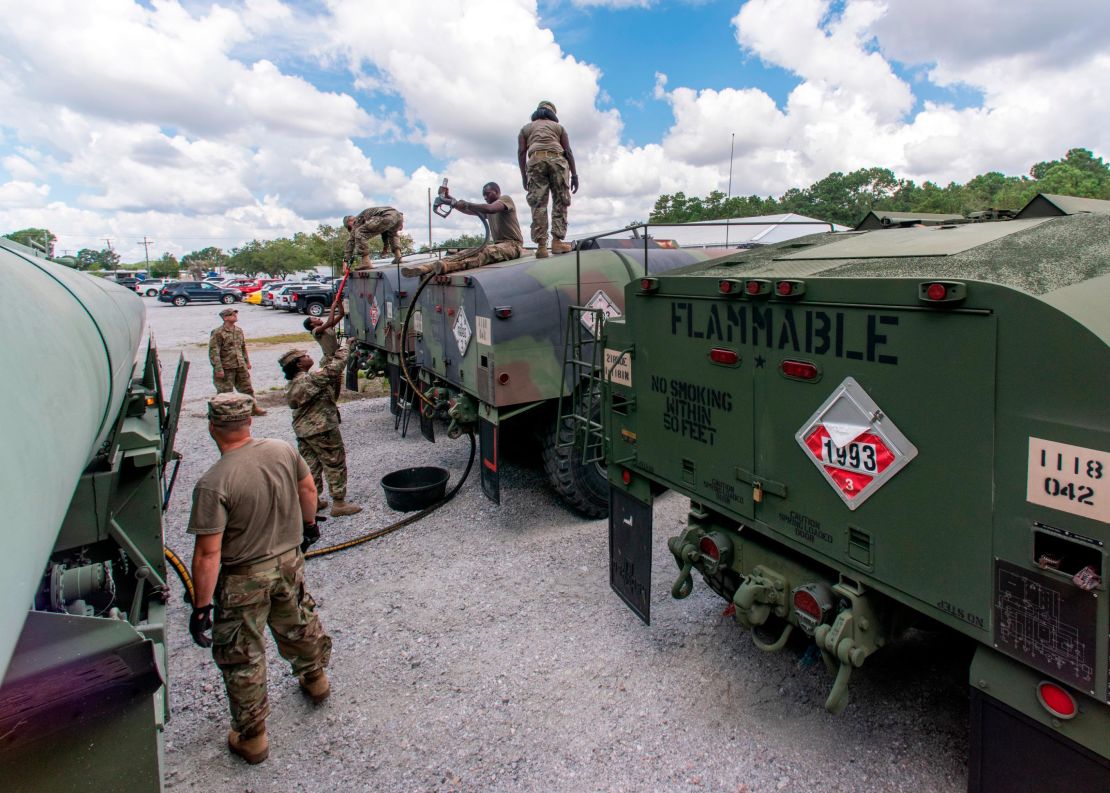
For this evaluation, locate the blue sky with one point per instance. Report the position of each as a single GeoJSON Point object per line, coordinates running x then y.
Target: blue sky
{"type": "Point", "coordinates": [198, 121]}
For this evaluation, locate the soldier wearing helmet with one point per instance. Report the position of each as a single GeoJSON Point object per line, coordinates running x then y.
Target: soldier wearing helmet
{"type": "Point", "coordinates": [547, 167]}
{"type": "Point", "coordinates": [367, 224]}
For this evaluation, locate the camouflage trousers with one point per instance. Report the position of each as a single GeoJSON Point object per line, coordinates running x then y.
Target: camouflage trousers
{"type": "Point", "coordinates": [388, 225]}
{"type": "Point", "coordinates": [550, 175]}
{"type": "Point", "coordinates": [327, 459]}
{"type": "Point", "coordinates": [245, 604]}
{"type": "Point", "coordinates": [237, 379]}
{"type": "Point", "coordinates": [467, 260]}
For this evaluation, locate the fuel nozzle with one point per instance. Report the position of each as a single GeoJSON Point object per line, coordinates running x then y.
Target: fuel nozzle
{"type": "Point", "coordinates": [442, 205]}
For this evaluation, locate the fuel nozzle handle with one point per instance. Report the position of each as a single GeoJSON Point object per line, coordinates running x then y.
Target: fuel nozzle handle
{"type": "Point", "coordinates": [442, 205]}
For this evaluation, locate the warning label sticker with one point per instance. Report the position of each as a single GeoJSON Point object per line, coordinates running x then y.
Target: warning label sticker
{"type": "Point", "coordinates": [854, 445]}
{"type": "Point", "coordinates": [618, 367]}
{"type": "Point", "coordinates": [601, 302]}
{"type": "Point", "coordinates": [462, 332]}
{"type": "Point", "coordinates": [1069, 478]}
{"type": "Point", "coordinates": [374, 313]}
{"type": "Point", "coordinates": [482, 325]}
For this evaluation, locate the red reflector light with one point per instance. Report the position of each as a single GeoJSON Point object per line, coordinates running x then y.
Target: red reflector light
{"type": "Point", "coordinates": [402, 294]}
{"type": "Point", "coordinates": [626, 476]}
{"type": "Point", "coordinates": [799, 370]}
{"type": "Point", "coordinates": [752, 287]}
{"type": "Point", "coordinates": [503, 378]}
{"type": "Point", "coordinates": [503, 312]}
{"type": "Point", "coordinates": [936, 291]}
{"type": "Point", "coordinates": [710, 549]}
{"type": "Point", "coordinates": [784, 288]}
{"type": "Point", "coordinates": [724, 286]}
{"type": "Point", "coordinates": [806, 603]}
{"type": "Point", "coordinates": [722, 356]}
{"type": "Point", "coordinates": [649, 284]}
{"type": "Point", "coordinates": [1056, 700]}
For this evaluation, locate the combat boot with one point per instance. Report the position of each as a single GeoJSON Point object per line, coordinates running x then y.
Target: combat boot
{"type": "Point", "coordinates": [396, 257]}
{"type": "Point", "coordinates": [321, 504]}
{"type": "Point", "coordinates": [541, 252]}
{"type": "Point", "coordinates": [341, 508]}
{"type": "Point", "coordinates": [257, 411]}
{"type": "Point", "coordinates": [315, 686]}
{"type": "Point", "coordinates": [558, 246]}
{"type": "Point", "coordinates": [254, 749]}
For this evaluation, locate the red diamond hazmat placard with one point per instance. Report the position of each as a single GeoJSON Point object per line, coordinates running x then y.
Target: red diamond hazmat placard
{"type": "Point", "coordinates": [855, 446]}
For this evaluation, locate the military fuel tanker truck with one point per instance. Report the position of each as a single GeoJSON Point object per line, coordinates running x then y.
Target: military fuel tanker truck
{"type": "Point", "coordinates": [87, 438]}
{"type": "Point", "coordinates": [883, 429]}
{"type": "Point", "coordinates": [491, 344]}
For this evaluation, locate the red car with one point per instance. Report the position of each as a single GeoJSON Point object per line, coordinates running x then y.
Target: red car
{"type": "Point", "coordinates": [250, 285]}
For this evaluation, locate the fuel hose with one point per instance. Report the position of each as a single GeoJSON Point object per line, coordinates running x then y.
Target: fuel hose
{"type": "Point", "coordinates": [182, 570]}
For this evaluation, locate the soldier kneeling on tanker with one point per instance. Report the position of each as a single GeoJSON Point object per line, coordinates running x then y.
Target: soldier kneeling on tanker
{"type": "Point", "coordinates": [251, 513]}
{"type": "Point", "coordinates": [367, 224]}
{"type": "Point", "coordinates": [312, 397]}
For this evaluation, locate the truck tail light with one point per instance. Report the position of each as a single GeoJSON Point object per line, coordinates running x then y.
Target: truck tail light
{"type": "Point", "coordinates": [709, 548]}
{"type": "Point", "coordinates": [1056, 700]}
{"type": "Point", "coordinates": [724, 356]}
{"type": "Point", "coordinates": [626, 476]}
{"type": "Point", "coordinates": [807, 604]}
{"type": "Point", "coordinates": [503, 312]}
{"type": "Point", "coordinates": [936, 291]}
{"type": "Point", "coordinates": [790, 288]}
{"type": "Point", "coordinates": [649, 284]}
{"type": "Point", "coordinates": [757, 286]}
{"type": "Point", "coordinates": [799, 370]}
{"type": "Point", "coordinates": [728, 286]}
{"type": "Point", "coordinates": [941, 291]}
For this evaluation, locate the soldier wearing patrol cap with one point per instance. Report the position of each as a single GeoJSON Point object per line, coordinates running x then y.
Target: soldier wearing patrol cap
{"type": "Point", "coordinates": [253, 513]}
{"type": "Point", "coordinates": [312, 395]}
{"type": "Point", "coordinates": [227, 351]}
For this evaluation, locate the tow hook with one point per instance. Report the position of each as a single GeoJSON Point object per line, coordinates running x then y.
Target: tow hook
{"type": "Point", "coordinates": [845, 645]}
{"type": "Point", "coordinates": [685, 555]}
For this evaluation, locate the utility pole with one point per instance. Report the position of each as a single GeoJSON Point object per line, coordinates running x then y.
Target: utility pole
{"type": "Point", "coordinates": [115, 265]}
{"type": "Point", "coordinates": [732, 151]}
{"type": "Point", "coordinates": [146, 245]}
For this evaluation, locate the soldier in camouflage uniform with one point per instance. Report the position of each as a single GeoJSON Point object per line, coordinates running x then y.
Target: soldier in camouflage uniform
{"type": "Point", "coordinates": [367, 224]}
{"type": "Point", "coordinates": [251, 512]}
{"type": "Point", "coordinates": [505, 237]}
{"type": "Point", "coordinates": [311, 395]}
{"type": "Point", "coordinates": [547, 166]}
{"type": "Point", "coordinates": [227, 351]}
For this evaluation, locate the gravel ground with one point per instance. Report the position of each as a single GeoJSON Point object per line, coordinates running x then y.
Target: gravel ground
{"type": "Point", "coordinates": [481, 649]}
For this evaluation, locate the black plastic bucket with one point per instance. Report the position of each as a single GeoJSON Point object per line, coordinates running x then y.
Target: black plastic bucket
{"type": "Point", "coordinates": [411, 489]}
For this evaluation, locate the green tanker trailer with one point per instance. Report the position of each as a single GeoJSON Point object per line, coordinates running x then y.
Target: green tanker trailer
{"type": "Point", "coordinates": [82, 574]}
{"type": "Point", "coordinates": [491, 342]}
{"type": "Point", "coordinates": [887, 428]}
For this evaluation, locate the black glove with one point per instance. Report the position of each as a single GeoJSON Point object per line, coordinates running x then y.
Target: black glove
{"type": "Point", "coordinates": [574, 183]}
{"type": "Point", "coordinates": [311, 534]}
{"type": "Point", "coordinates": [199, 625]}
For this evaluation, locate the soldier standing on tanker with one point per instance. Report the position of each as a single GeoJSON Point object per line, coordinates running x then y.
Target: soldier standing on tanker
{"type": "Point", "coordinates": [546, 161]}
{"type": "Point", "coordinates": [368, 223]}
{"type": "Point", "coordinates": [316, 420]}
{"type": "Point", "coordinates": [227, 351]}
{"type": "Point", "coordinates": [505, 244]}
{"type": "Point", "coordinates": [251, 512]}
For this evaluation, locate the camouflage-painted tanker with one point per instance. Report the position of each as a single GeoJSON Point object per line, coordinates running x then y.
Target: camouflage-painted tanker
{"type": "Point", "coordinates": [887, 428]}
{"type": "Point", "coordinates": [490, 345]}
{"type": "Point", "coordinates": [376, 302]}
{"type": "Point", "coordinates": [86, 436]}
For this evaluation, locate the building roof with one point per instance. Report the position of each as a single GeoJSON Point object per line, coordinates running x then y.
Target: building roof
{"type": "Point", "coordinates": [1044, 205]}
{"type": "Point", "coordinates": [881, 219]}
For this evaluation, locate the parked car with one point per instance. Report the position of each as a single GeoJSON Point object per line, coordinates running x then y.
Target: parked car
{"type": "Point", "coordinates": [254, 285]}
{"type": "Point", "coordinates": [185, 292]}
{"type": "Point", "coordinates": [281, 295]}
{"type": "Point", "coordinates": [314, 302]}
{"type": "Point", "coordinates": [289, 297]}
{"type": "Point", "coordinates": [150, 287]}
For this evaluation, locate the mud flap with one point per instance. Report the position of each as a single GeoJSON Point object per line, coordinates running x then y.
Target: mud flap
{"type": "Point", "coordinates": [491, 478]}
{"type": "Point", "coordinates": [427, 422]}
{"type": "Point", "coordinates": [394, 373]}
{"type": "Point", "coordinates": [630, 551]}
{"type": "Point", "coordinates": [352, 374]}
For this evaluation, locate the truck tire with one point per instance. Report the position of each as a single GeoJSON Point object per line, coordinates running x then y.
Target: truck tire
{"type": "Point", "coordinates": [227, 300]}
{"type": "Point", "coordinates": [583, 486]}
{"type": "Point", "coordinates": [315, 309]}
{"type": "Point", "coordinates": [180, 301]}
{"type": "Point", "coordinates": [151, 292]}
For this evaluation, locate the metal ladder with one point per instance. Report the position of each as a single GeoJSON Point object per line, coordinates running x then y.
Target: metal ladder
{"type": "Point", "coordinates": [582, 370]}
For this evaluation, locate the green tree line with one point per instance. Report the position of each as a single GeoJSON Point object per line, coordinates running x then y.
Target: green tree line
{"type": "Point", "coordinates": [846, 197]}
{"type": "Point", "coordinates": [279, 257]}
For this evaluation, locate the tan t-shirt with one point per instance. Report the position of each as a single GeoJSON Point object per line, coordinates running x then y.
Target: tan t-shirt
{"type": "Point", "coordinates": [543, 135]}
{"type": "Point", "coordinates": [250, 495]}
{"type": "Point", "coordinates": [503, 225]}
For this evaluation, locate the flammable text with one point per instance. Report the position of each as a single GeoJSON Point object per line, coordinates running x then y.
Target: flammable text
{"type": "Point", "coordinates": [810, 331]}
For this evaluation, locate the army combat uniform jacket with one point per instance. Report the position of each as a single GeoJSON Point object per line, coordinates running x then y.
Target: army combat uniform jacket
{"type": "Point", "coordinates": [227, 349]}
{"type": "Point", "coordinates": [311, 395]}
